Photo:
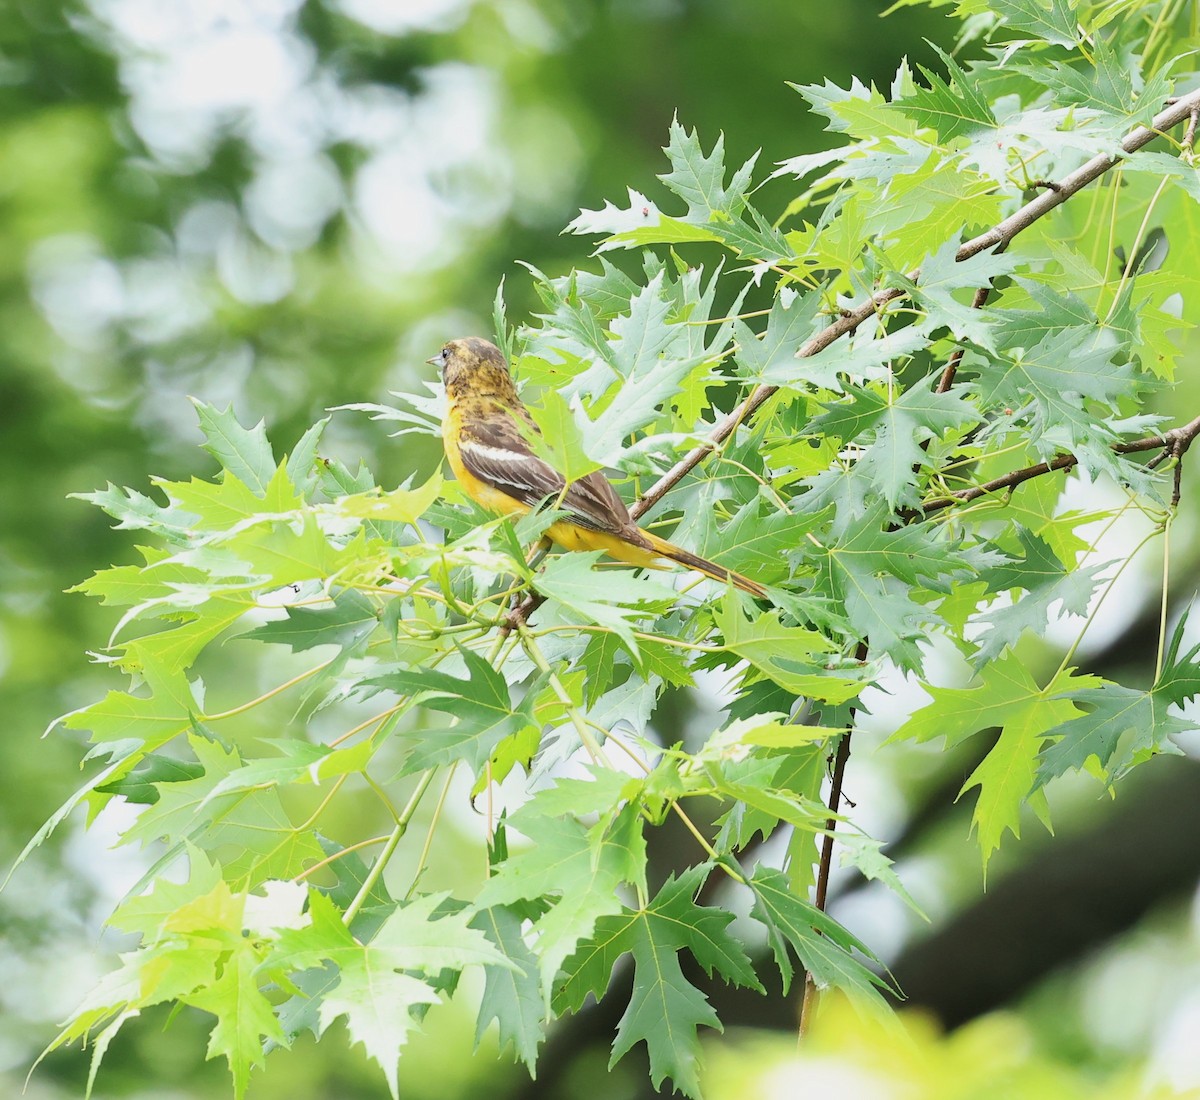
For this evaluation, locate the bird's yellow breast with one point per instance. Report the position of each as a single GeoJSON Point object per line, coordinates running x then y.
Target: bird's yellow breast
{"type": "Point", "coordinates": [488, 496]}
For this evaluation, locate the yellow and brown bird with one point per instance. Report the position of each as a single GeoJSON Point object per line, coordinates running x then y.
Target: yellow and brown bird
{"type": "Point", "coordinates": [485, 434]}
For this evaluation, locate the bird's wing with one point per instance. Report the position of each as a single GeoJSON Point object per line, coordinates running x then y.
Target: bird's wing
{"type": "Point", "coordinates": [495, 452]}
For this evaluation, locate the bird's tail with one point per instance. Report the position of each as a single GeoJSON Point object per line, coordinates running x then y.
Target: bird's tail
{"type": "Point", "coordinates": [703, 565]}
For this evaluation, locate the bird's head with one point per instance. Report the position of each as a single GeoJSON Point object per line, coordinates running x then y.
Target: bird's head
{"type": "Point", "coordinates": [472, 365]}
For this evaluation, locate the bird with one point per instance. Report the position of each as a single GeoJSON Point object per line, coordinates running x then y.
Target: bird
{"type": "Point", "coordinates": [485, 432]}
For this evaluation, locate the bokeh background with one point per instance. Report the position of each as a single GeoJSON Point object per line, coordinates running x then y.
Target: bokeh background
{"type": "Point", "coordinates": [288, 205]}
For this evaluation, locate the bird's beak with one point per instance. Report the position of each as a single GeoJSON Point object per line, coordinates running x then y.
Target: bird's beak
{"type": "Point", "coordinates": [438, 360]}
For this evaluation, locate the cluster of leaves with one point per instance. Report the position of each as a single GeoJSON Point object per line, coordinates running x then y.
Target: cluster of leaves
{"type": "Point", "coordinates": [849, 493]}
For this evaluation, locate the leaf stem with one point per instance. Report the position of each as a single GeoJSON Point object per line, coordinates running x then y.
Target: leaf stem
{"type": "Point", "coordinates": [582, 628]}
{"type": "Point", "coordinates": [389, 849]}
{"type": "Point", "coordinates": [433, 823]}
{"type": "Point", "coordinates": [338, 855]}
{"type": "Point", "coordinates": [269, 694]}
{"type": "Point", "coordinates": [1094, 611]}
{"type": "Point", "coordinates": [380, 717]}
{"type": "Point", "coordinates": [1166, 588]}
{"type": "Point", "coordinates": [529, 643]}
{"type": "Point", "coordinates": [312, 818]}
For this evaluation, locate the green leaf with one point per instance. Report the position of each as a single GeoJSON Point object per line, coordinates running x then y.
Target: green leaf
{"type": "Point", "coordinates": [348, 622]}
{"type": "Point", "coordinates": [700, 180]}
{"type": "Point", "coordinates": [152, 720]}
{"type": "Point", "coordinates": [899, 428]}
{"type": "Point", "coordinates": [609, 599]}
{"type": "Point", "coordinates": [149, 913]}
{"type": "Point", "coordinates": [784, 653]}
{"type": "Point", "coordinates": [244, 1016]}
{"type": "Point", "coordinates": [953, 109]}
{"type": "Point", "coordinates": [209, 610]}
{"type": "Point", "coordinates": [245, 453]}
{"type": "Point", "coordinates": [859, 111]}
{"type": "Point", "coordinates": [140, 784]}
{"type": "Point", "coordinates": [136, 511]}
{"type": "Point", "coordinates": [377, 989]}
{"type": "Point", "coordinates": [398, 506]}
{"type": "Point", "coordinates": [792, 320]}
{"type": "Point", "coordinates": [946, 288]}
{"type": "Point", "coordinates": [1052, 21]}
{"type": "Point", "coordinates": [1121, 726]}
{"type": "Point", "coordinates": [481, 702]}
{"type": "Point", "coordinates": [665, 1010]}
{"type": "Point", "coordinates": [301, 465]}
{"type": "Point", "coordinates": [511, 996]}
{"type": "Point", "coordinates": [757, 539]}
{"type": "Point", "coordinates": [1111, 85]}
{"type": "Point", "coordinates": [229, 502]}
{"type": "Point", "coordinates": [123, 757]}
{"type": "Point", "coordinates": [281, 554]}
{"type": "Point", "coordinates": [583, 869]}
{"type": "Point", "coordinates": [825, 948]}
{"type": "Point", "coordinates": [604, 793]}
{"type": "Point", "coordinates": [873, 572]}
{"type": "Point", "coordinates": [866, 855]}
{"type": "Point", "coordinates": [785, 786]}
{"type": "Point", "coordinates": [1006, 696]}
{"type": "Point", "coordinates": [352, 874]}
{"type": "Point", "coordinates": [767, 807]}
{"type": "Point", "coordinates": [599, 663]}
{"type": "Point", "coordinates": [560, 442]}
{"type": "Point", "coordinates": [650, 358]}
{"type": "Point", "coordinates": [298, 762]}
{"type": "Point", "coordinates": [617, 224]}
{"type": "Point", "coordinates": [128, 585]}
{"type": "Point", "coordinates": [867, 355]}
{"type": "Point", "coordinates": [249, 831]}
{"type": "Point", "coordinates": [1045, 582]}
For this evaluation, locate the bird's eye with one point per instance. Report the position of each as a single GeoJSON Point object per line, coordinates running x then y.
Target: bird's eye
{"type": "Point", "coordinates": [446, 351]}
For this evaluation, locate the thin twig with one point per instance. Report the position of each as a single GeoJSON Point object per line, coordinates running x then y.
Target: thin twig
{"type": "Point", "coordinates": [1174, 444]}
{"type": "Point", "coordinates": [835, 801]}
{"type": "Point", "coordinates": [978, 302]}
{"type": "Point", "coordinates": [384, 857]}
{"type": "Point", "coordinates": [1004, 231]}
{"type": "Point", "coordinates": [1189, 135]}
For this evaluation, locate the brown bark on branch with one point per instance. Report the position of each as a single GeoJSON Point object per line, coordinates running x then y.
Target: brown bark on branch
{"type": "Point", "coordinates": [1174, 444]}
{"type": "Point", "coordinates": [1001, 233]}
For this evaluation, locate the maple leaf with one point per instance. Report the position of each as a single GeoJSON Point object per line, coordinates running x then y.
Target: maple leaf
{"type": "Point", "coordinates": [1044, 581]}
{"type": "Point", "coordinates": [481, 702]}
{"type": "Point", "coordinates": [1007, 697]}
{"type": "Point", "coordinates": [665, 1009]}
{"type": "Point", "coordinates": [582, 868]}
{"type": "Point", "coordinates": [1122, 725]}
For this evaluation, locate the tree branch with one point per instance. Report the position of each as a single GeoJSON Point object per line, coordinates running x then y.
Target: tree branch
{"type": "Point", "coordinates": [1058, 193]}
{"type": "Point", "coordinates": [1176, 112]}
{"type": "Point", "coordinates": [1189, 135]}
{"type": "Point", "coordinates": [947, 380]}
{"type": "Point", "coordinates": [835, 801]}
{"type": "Point", "coordinates": [1174, 444]}
{"type": "Point", "coordinates": [1002, 233]}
